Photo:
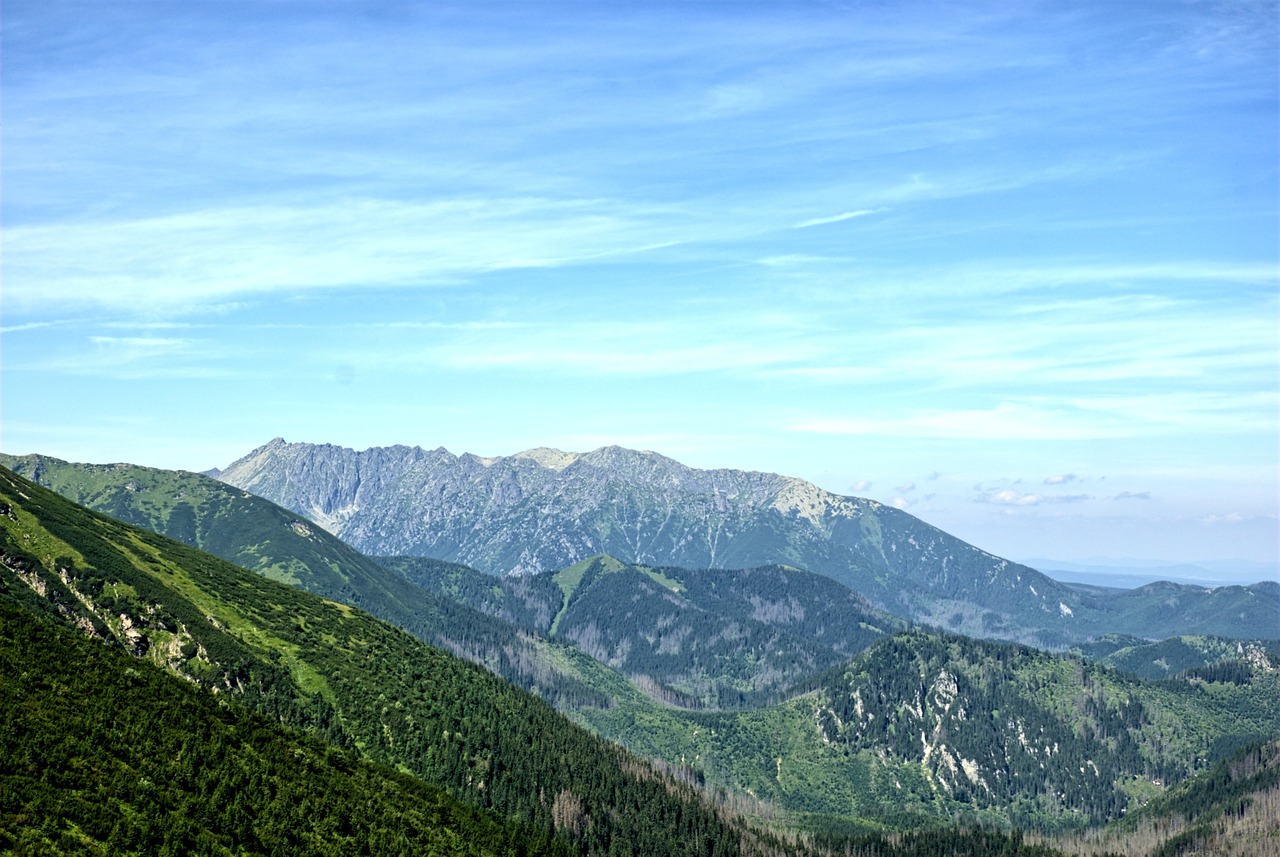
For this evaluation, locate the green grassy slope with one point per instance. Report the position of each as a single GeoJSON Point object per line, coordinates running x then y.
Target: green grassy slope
{"type": "Point", "coordinates": [228, 523]}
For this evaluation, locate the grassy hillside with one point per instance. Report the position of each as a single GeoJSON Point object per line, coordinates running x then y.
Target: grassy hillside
{"type": "Point", "coordinates": [228, 523]}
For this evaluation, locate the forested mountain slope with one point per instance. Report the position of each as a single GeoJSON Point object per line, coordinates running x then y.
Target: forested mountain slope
{"type": "Point", "coordinates": [544, 510]}
{"type": "Point", "coordinates": [336, 674]}
{"type": "Point", "coordinates": [1186, 655]}
{"type": "Point", "coordinates": [344, 676]}
{"type": "Point", "coordinates": [106, 755]}
{"type": "Point", "coordinates": [1233, 810]}
{"type": "Point", "coordinates": [927, 726]}
{"type": "Point", "coordinates": [711, 637]}
{"type": "Point", "coordinates": [995, 724]}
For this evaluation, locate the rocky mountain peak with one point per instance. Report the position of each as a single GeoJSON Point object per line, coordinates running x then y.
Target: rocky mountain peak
{"type": "Point", "coordinates": [552, 459]}
{"type": "Point", "coordinates": [545, 509]}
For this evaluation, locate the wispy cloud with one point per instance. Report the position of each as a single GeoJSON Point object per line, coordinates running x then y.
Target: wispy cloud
{"type": "Point", "coordinates": [1008, 420]}
{"type": "Point", "coordinates": [1061, 479]}
{"type": "Point", "coordinates": [837, 218]}
{"type": "Point", "coordinates": [139, 358]}
{"type": "Point", "coordinates": [34, 325]}
{"type": "Point", "coordinates": [184, 261]}
{"type": "Point", "coordinates": [1133, 495]}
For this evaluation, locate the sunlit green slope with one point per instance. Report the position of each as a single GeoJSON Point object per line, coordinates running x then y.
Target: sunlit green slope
{"type": "Point", "coordinates": [261, 536]}
{"type": "Point", "coordinates": [343, 675]}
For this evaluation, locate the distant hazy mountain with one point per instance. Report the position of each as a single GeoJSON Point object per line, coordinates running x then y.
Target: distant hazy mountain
{"type": "Point", "coordinates": [543, 509]}
{"type": "Point", "coordinates": [1130, 573]}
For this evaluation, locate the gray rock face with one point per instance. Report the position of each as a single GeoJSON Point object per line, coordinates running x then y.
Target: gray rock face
{"type": "Point", "coordinates": [533, 511]}
{"type": "Point", "coordinates": [544, 509]}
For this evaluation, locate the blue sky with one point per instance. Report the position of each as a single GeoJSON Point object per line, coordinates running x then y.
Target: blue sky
{"type": "Point", "coordinates": [1011, 267]}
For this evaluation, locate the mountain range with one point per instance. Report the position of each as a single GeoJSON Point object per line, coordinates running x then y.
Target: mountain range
{"type": "Point", "coordinates": [1131, 573]}
{"type": "Point", "coordinates": [543, 510]}
{"type": "Point", "coordinates": [622, 648]}
{"type": "Point", "coordinates": [314, 665]}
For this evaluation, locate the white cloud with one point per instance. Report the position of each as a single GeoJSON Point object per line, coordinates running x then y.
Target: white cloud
{"type": "Point", "coordinates": [837, 218]}
{"type": "Point", "coordinates": [861, 485]}
{"type": "Point", "coordinates": [1009, 497]}
{"type": "Point", "coordinates": [831, 374]}
{"type": "Point", "coordinates": [899, 503]}
{"type": "Point", "coordinates": [1133, 495]}
{"type": "Point", "coordinates": [790, 260]}
{"type": "Point", "coordinates": [1061, 479]}
{"type": "Point", "coordinates": [623, 357]}
{"type": "Point", "coordinates": [35, 325]}
{"type": "Point", "coordinates": [1012, 498]}
{"type": "Point", "coordinates": [1094, 417]}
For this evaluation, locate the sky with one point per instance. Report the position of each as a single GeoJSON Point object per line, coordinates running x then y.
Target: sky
{"type": "Point", "coordinates": [1011, 267]}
